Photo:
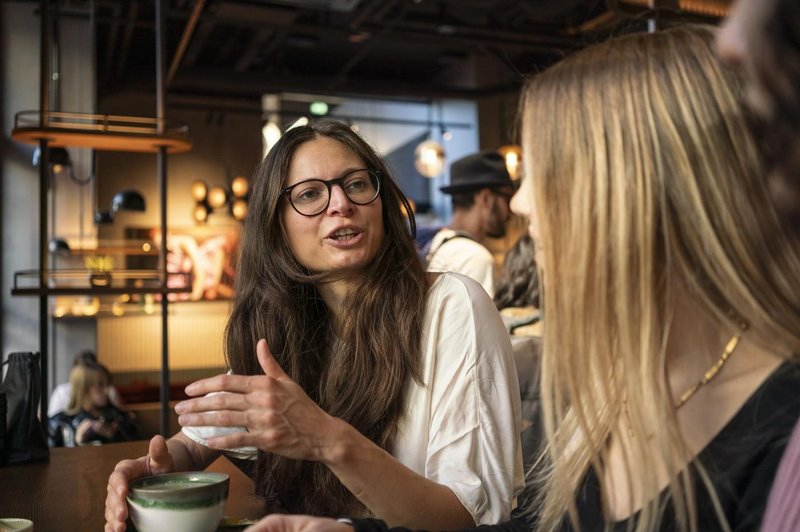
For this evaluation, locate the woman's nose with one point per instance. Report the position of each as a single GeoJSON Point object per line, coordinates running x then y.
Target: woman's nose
{"type": "Point", "coordinates": [339, 202]}
{"type": "Point", "coordinates": [516, 205]}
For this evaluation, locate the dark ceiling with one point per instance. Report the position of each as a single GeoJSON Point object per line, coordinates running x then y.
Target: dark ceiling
{"type": "Point", "coordinates": [385, 48]}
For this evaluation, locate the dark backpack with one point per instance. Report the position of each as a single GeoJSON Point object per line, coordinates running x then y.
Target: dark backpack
{"type": "Point", "coordinates": [24, 439]}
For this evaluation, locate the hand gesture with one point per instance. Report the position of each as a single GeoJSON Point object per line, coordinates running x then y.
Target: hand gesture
{"type": "Point", "coordinates": [158, 460]}
{"type": "Point", "coordinates": [278, 415]}
{"type": "Point", "coordinates": [299, 523]}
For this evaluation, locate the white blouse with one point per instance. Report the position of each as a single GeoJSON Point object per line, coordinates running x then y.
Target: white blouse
{"type": "Point", "coordinates": [461, 427]}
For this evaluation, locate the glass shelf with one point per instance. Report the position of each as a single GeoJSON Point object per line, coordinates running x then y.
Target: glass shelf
{"type": "Point", "coordinates": [102, 132]}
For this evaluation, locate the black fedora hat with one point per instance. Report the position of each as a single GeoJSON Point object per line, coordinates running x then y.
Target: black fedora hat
{"type": "Point", "coordinates": [485, 169]}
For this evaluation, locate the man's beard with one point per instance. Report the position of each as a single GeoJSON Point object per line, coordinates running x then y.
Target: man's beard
{"type": "Point", "coordinates": [497, 227]}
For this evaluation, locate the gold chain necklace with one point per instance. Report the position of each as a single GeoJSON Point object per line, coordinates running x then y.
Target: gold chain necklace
{"type": "Point", "coordinates": [709, 375]}
{"type": "Point", "coordinates": [712, 372]}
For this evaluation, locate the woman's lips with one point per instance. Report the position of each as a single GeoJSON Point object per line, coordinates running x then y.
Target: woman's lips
{"type": "Point", "coordinates": [345, 237]}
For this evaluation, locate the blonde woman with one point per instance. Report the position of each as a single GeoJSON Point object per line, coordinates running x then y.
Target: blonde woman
{"type": "Point", "coordinates": [90, 413]}
{"type": "Point", "coordinates": [669, 403]}
{"type": "Point", "coordinates": [671, 294]}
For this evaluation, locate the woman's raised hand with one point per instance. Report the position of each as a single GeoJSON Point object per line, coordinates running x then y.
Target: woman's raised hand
{"type": "Point", "coordinates": [278, 415]}
{"type": "Point", "coordinates": [158, 460]}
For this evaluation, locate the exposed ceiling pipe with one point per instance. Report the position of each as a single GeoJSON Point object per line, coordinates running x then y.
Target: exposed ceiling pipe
{"type": "Point", "coordinates": [709, 8]}
{"type": "Point", "coordinates": [133, 13]}
{"type": "Point", "coordinates": [356, 58]}
{"type": "Point", "coordinates": [365, 12]}
{"type": "Point", "coordinates": [604, 20]}
{"type": "Point", "coordinates": [188, 30]}
{"type": "Point", "coordinates": [111, 46]}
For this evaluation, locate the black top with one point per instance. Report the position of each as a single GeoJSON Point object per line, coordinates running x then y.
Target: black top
{"type": "Point", "coordinates": [126, 429]}
{"type": "Point", "coordinates": [741, 462]}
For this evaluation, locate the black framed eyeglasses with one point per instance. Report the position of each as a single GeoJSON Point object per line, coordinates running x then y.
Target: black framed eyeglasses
{"type": "Point", "coordinates": [312, 196]}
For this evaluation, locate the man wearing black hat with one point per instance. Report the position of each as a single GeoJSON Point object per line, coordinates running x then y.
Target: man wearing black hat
{"type": "Point", "coordinates": [481, 189]}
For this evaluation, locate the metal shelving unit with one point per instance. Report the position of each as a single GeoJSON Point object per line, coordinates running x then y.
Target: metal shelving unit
{"type": "Point", "coordinates": [103, 132]}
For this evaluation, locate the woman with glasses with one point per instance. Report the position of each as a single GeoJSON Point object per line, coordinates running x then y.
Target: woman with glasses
{"type": "Point", "coordinates": [359, 384]}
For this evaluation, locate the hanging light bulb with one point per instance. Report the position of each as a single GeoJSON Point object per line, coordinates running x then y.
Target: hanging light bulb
{"type": "Point", "coordinates": [217, 197]}
{"type": "Point", "coordinates": [199, 190]}
{"type": "Point", "coordinates": [239, 186]}
{"type": "Point", "coordinates": [512, 153]}
{"type": "Point", "coordinates": [200, 213]}
{"type": "Point", "coordinates": [429, 158]}
{"type": "Point", "coordinates": [271, 133]}
{"type": "Point", "coordinates": [302, 121]}
{"type": "Point", "coordinates": [239, 209]}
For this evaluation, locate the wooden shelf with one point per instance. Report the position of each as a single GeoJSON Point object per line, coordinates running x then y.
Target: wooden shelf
{"type": "Point", "coordinates": [101, 132]}
{"type": "Point", "coordinates": [75, 282]}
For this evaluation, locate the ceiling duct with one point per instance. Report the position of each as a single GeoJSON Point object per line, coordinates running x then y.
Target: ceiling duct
{"type": "Point", "coordinates": [709, 8]}
{"type": "Point", "coordinates": [344, 6]}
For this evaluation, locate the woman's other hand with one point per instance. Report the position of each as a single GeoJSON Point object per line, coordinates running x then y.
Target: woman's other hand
{"type": "Point", "coordinates": [158, 460]}
{"type": "Point", "coordinates": [299, 523]}
{"type": "Point", "coordinates": [279, 416]}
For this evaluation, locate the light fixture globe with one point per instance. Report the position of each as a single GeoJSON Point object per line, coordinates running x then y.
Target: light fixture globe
{"type": "Point", "coordinates": [58, 158]}
{"type": "Point", "coordinates": [239, 209]}
{"type": "Point", "coordinates": [200, 213]}
{"type": "Point", "coordinates": [127, 200]}
{"type": "Point", "coordinates": [103, 217]}
{"type": "Point", "coordinates": [199, 190]}
{"type": "Point", "coordinates": [240, 186]}
{"type": "Point", "coordinates": [512, 154]}
{"type": "Point", "coordinates": [59, 246]}
{"type": "Point", "coordinates": [429, 158]}
{"type": "Point", "coordinates": [217, 197]}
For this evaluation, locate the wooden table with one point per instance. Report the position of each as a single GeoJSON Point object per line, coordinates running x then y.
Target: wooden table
{"type": "Point", "coordinates": [68, 492]}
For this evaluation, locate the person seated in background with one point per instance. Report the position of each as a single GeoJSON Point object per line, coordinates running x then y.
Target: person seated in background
{"type": "Point", "coordinates": [763, 36]}
{"type": "Point", "coordinates": [517, 299]}
{"type": "Point", "coordinates": [669, 386]}
{"type": "Point", "coordinates": [517, 294]}
{"type": "Point", "coordinates": [360, 384]}
{"type": "Point", "coordinates": [90, 416]}
{"type": "Point", "coordinates": [59, 399]}
{"type": "Point", "coordinates": [481, 188]}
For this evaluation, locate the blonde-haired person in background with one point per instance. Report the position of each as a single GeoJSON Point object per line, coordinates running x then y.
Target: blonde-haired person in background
{"type": "Point", "coordinates": [59, 398]}
{"type": "Point", "coordinates": [670, 291]}
{"type": "Point", "coordinates": [92, 416]}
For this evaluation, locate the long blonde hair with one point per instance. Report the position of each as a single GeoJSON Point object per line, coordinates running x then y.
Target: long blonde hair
{"type": "Point", "coordinates": [646, 181]}
{"type": "Point", "coordinates": [81, 380]}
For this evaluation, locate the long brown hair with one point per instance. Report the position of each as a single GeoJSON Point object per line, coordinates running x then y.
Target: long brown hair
{"type": "Point", "coordinates": [357, 375]}
{"type": "Point", "coordinates": [660, 192]}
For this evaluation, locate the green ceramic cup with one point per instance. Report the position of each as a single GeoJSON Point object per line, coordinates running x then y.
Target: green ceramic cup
{"type": "Point", "coordinates": [190, 501]}
{"type": "Point", "coordinates": [14, 524]}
